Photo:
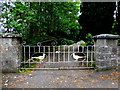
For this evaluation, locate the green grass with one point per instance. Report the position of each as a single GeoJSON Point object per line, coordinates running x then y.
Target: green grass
{"type": "Point", "coordinates": [93, 64]}
{"type": "Point", "coordinates": [27, 65]}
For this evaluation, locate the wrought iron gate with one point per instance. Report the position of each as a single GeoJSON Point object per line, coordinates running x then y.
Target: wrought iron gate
{"type": "Point", "coordinates": [57, 57]}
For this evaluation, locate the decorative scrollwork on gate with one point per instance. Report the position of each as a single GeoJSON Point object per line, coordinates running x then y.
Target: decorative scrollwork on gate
{"type": "Point", "coordinates": [39, 44]}
{"type": "Point", "coordinates": [63, 42]}
{"type": "Point", "coordinates": [50, 42]}
{"type": "Point", "coordinates": [53, 43]}
{"type": "Point", "coordinates": [24, 43]}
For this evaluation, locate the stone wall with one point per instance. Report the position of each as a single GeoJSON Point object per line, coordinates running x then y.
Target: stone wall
{"type": "Point", "coordinates": [11, 55]}
{"type": "Point", "coordinates": [106, 51]}
{"type": "Point", "coordinates": [119, 58]}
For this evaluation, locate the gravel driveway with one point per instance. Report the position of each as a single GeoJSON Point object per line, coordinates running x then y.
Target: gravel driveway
{"type": "Point", "coordinates": [62, 79]}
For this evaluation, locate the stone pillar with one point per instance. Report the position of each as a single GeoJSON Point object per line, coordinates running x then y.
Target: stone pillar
{"type": "Point", "coordinates": [11, 52]}
{"type": "Point", "coordinates": [106, 52]}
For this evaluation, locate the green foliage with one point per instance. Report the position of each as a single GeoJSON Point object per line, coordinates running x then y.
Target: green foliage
{"type": "Point", "coordinates": [25, 66]}
{"type": "Point", "coordinates": [65, 41]}
{"type": "Point", "coordinates": [89, 38]}
{"type": "Point", "coordinates": [118, 40]}
{"type": "Point", "coordinates": [1, 31]}
{"type": "Point", "coordinates": [116, 24]}
{"type": "Point", "coordinates": [84, 44]}
{"type": "Point", "coordinates": [93, 64]}
{"type": "Point", "coordinates": [69, 41]}
{"type": "Point", "coordinates": [114, 27]}
{"type": "Point", "coordinates": [39, 20]}
{"type": "Point", "coordinates": [19, 17]}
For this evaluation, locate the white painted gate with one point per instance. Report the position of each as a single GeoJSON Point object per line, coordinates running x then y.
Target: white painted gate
{"type": "Point", "coordinates": [57, 57]}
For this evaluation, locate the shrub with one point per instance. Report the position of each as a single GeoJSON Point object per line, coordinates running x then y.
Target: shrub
{"type": "Point", "coordinates": [89, 38]}
{"type": "Point", "coordinates": [64, 41]}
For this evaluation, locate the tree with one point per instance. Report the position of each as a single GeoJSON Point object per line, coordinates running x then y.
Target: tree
{"type": "Point", "coordinates": [40, 20]}
{"type": "Point", "coordinates": [118, 20]}
{"type": "Point", "coordinates": [18, 17]}
{"type": "Point", "coordinates": [96, 18]}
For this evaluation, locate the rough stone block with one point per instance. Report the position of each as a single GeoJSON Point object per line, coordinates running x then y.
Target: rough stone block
{"type": "Point", "coordinates": [11, 52]}
{"type": "Point", "coordinates": [118, 51]}
{"type": "Point", "coordinates": [114, 63]}
{"type": "Point", "coordinates": [107, 51]}
{"type": "Point", "coordinates": [114, 50]}
{"type": "Point", "coordinates": [104, 49]}
{"type": "Point", "coordinates": [103, 63]}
